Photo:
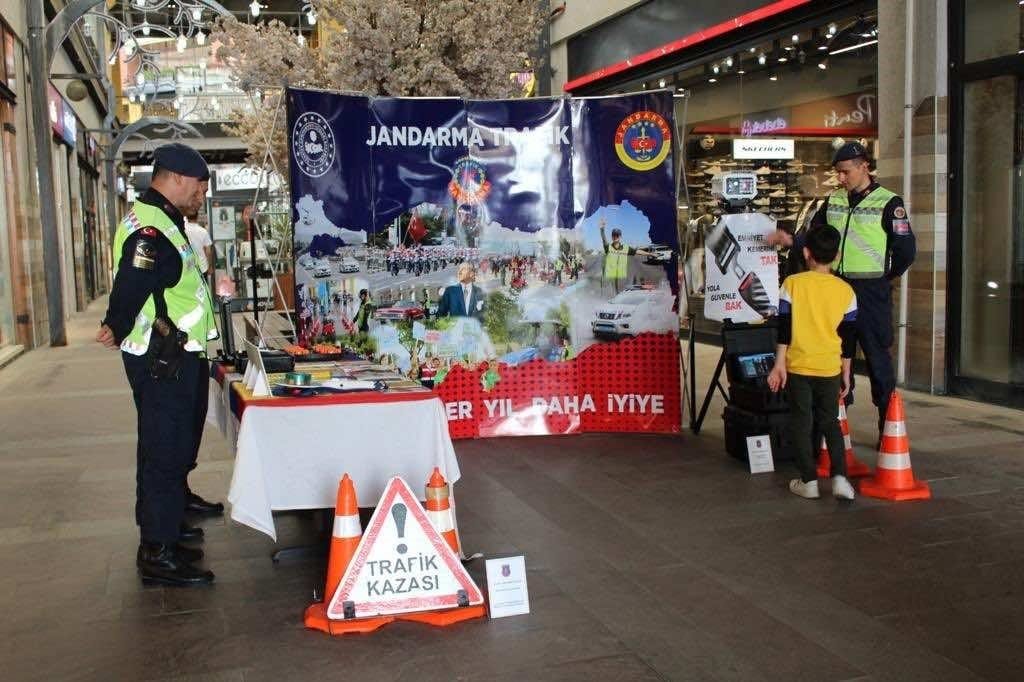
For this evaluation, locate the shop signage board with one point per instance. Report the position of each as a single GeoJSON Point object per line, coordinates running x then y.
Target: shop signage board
{"type": "Point", "coordinates": [744, 148]}
{"type": "Point", "coordinates": [222, 222]}
{"type": "Point", "coordinates": [742, 282]}
{"type": "Point", "coordinates": [852, 114]}
{"type": "Point", "coordinates": [238, 177]}
{"type": "Point", "coordinates": [56, 107]}
{"type": "Point", "coordinates": [565, 207]}
{"type": "Point", "coordinates": [402, 564]}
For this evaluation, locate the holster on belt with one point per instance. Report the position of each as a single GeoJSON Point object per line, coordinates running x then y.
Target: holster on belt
{"type": "Point", "coordinates": [166, 349]}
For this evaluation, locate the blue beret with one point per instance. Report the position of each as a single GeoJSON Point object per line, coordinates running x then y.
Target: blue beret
{"type": "Point", "coordinates": [181, 159]}
{"type": "Point", "coordinates": [850, 150]}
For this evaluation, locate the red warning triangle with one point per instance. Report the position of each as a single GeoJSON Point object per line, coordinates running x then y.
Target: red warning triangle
{"type": "Point", "coordinates": [402, 564]}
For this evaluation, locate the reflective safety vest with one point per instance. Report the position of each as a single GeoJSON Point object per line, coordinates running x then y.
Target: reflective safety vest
{"type": "Point", "coordinates": [189, 305]}
{"type": "Point", "coordinates": [863, 248]}
{"type": "Point", "coordinates": [616, 262]}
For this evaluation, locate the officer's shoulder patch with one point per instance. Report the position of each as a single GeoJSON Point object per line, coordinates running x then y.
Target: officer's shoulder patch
{"type": "Point", "coordinates": [900, 212]}
{"type": "Point", "coordinates": [901, 226]}
{"type": "Point", "coordinates": [144, 257]}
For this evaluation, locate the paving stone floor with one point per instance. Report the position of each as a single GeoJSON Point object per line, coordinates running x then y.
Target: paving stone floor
{"type": "Point", "coordinates": [649, 557]}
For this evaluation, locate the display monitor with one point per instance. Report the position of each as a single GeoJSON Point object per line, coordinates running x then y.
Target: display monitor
{"type": "Point", "coordinates": [740, 185]}
{"type": "Point", "coordinates": [756, 365]}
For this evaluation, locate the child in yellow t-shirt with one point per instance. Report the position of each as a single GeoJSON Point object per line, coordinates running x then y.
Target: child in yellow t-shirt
{"type": "Point", "coordinates": [817, 338]}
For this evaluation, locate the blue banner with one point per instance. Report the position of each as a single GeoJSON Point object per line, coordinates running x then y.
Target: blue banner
{"type": "Point", "coordinates": [439, 231]}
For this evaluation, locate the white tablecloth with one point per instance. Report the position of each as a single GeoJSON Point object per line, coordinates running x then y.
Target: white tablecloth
{"type": "Point", "coordinates": [292, 457]}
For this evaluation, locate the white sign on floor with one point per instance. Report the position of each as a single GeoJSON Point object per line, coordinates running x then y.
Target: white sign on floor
{"type": "Point", "coordinates": [506, 587]}
{"type": "Point", "coordinates": [759, 452]}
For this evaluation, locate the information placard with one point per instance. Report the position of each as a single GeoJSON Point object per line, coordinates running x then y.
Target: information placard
{"type": "Point", "coordinates": [742, 269]}
{"type": "Point", "coordinates": [759, 453]}
{"type": "Point", "coordinates": [506, 586]}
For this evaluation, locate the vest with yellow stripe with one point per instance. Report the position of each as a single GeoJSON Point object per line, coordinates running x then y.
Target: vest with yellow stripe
{"type": "Point", "coordinates": [616, 262]}
{"type": "Point", "coordinates": [188, 302]}
{"type": "Point", "coordinates": [862, 254]}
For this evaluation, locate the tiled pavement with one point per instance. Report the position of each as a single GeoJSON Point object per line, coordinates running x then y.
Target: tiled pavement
{"type": "Point", "coordinates": [650, 557]}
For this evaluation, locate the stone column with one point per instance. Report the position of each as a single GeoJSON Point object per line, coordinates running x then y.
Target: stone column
{"type": "Point", "coordinates": [927, 194]}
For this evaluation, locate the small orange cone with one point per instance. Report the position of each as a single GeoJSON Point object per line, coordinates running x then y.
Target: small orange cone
{"type": "Point", "coordinates": [439, 510]}
{"type": "Point", "coordinates": [344, 541]}
{"type": "Point", "coordinates": [854, 467]}
{"type": "Point", "coordinates": [894, 479]}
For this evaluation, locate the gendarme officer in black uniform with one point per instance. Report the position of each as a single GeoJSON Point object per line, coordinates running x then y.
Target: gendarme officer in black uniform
{"type": "Point", "coordinates": [161, 317]}
{"type": "Point", "coordinates": [877, 247]}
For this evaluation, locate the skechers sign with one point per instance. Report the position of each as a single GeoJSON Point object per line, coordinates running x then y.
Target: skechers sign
{"type": "Point", "coordinates": [763, 149]}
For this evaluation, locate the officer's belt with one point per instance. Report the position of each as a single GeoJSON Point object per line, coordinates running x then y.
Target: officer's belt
{"type": "Point", "coordinates": [861, 275]}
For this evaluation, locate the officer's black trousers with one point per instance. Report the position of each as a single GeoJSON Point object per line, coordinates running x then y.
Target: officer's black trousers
{"type": "Point", "coordinates": [166, 429]}
{"type": "Point", "coordinates": [202, 403]}
{"type": "Point", "coordinates": [874, 335]}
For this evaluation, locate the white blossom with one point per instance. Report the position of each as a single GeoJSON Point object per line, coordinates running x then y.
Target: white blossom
{"type": "Point", "coordinates": [401, 48]}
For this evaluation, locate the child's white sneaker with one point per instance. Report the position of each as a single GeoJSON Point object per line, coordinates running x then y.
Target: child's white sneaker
{"type": "Point", "coordinates": [842, 489]}
{"type": "Point", "coordinates": [808, 490]}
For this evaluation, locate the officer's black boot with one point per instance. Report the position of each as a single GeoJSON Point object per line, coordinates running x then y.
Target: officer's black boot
{"type": "Point", "coordinates": [194, 504]}
{"type": "Point", "coordinates": [189, 533]}
{"type": "Point", "coordinates": [163, 564]}
{"type": "Point", "coordinates": [189, 554]}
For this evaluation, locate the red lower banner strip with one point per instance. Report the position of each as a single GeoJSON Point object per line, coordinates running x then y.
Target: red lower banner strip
{"type": "Point", "coordinates": [629, 385]}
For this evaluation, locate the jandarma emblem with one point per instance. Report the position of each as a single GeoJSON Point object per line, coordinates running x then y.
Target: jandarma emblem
{"type": "Point", "coordinates": [469, 184]}
{"type": "Point", "coordinates": [313, 144]}
{"type": "Point", "coordinates": [643, 140]}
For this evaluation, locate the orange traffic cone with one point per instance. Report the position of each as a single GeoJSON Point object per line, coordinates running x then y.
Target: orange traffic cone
{"type": "Point", "coordinates": [894, 479]}
{"type": "Point", "coordinates": [344, 541]}
{"type": "Point", "coordinates": [854, 467]}
{"type": "Point", "coordinates": [439, 510]}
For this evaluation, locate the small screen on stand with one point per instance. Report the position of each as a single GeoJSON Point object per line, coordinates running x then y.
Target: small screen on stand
{"type": "Point", "coordinates": [755, 366]}
{"type": "Point", "coordinates": [740, 186]}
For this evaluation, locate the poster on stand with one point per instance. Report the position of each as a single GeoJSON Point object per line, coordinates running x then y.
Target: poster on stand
{"type": "Point", "coordinates": [742, 280]}
{"type": "Point", "coordinates": [222, 222]}
{"type": "Point", "coordinates": [521, 254]}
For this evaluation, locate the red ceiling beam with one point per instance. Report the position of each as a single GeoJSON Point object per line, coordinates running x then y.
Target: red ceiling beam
{"type": "Point", "coordinates": [760, 14]}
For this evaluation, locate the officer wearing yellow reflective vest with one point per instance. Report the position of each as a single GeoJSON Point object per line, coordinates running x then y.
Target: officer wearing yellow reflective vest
{"type": "Point", "coordinates": [161, 317]}
{"type": "Point", "coordinates": [877, 247]}
{"type": "Point", "coordinates": [616, 259]}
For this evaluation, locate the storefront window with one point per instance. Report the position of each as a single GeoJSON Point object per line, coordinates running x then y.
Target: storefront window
{"type": "Point", "coordinates": [809, 89]}
{"type": "Point", "coordinates": [992, 28]}
{"type": "Point", "coordinates": [991, 316]}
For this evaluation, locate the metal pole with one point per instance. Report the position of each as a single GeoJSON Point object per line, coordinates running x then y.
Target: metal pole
{"type": "Point", "coordinates": [40, 67]}
{"type": "Point", "coordinates": [908, 141]}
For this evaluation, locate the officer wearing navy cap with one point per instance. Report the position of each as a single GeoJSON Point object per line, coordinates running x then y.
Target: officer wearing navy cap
{"type": "Point", "coordinates": [877, 247]}
{"type": "Point", "coordinates": [161, 317]}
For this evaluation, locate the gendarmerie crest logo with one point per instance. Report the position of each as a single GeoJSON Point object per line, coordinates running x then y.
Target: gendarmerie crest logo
{"type": "Point", "coordinates": [469, 184]}
{"type": "Point", "coordinates": [313, 144]}
{"type": "Point", "coordinates": [643, 140]}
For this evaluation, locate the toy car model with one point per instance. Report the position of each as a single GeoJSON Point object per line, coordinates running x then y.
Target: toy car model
{"type": "Point", "coordinates": [633, 311]}
{"type": "Point", "coordinates": [348, 265]}
{"type": "Point", "coordinates": [660, 254]}
{"type": "Point", "coordinates": [400, 311]}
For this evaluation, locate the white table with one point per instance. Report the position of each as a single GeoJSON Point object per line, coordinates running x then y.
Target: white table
{"type": "Point", "coordinates": [291, 454]}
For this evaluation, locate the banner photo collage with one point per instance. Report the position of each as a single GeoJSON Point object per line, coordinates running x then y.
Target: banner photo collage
{"type": "Point", "coordinates": [522, 255]}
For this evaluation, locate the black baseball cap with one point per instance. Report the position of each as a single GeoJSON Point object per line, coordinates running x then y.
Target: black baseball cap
{"type": "Point", "coordinates": [850, 150]}
{"type": "Point", "coordinates": [616, 232]}
{"type": "Point", "coordinates": [181, 159]}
